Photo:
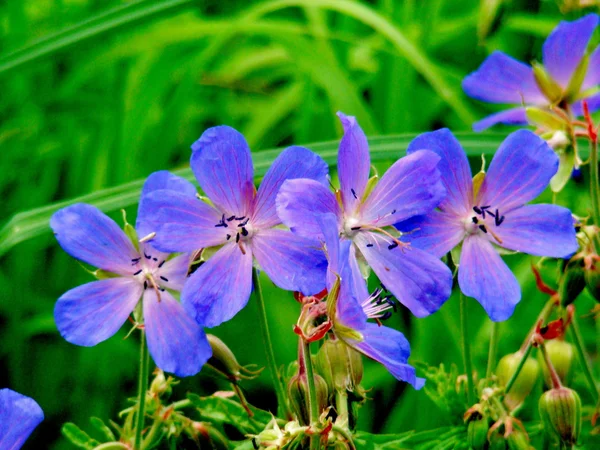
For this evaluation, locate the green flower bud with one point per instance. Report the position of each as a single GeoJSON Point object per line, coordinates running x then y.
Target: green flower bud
{"type": "Point", "coordinates": [525, 380]}
{"type": "Point", "coordinates": [477, 431]}
{"type": "Point", "coordinates": [572, 281]}
{"type": "Point", "coordinates": [299, 396]}
{"type": "Point", "coordinates": [550, 88]}
{"type": "Point", "coordinates": [497, 442]}
{"type": "Point", "coordinates": [561, 355]}
{"type": "Point", "coordinates": [560, 410]}
{"type": "Point", "coordinates": [340, 365]}
{"type": "Point", "coordinates": [518, 440]}
{"type": "Point", "coordinates": [224, 362]}
{"type": "Point", "coordinates": [161, 386]}
{"type": "Point", "coordinates": [592, 280]}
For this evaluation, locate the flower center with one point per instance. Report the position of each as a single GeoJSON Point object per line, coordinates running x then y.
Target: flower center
{"type": "Point", "coordinates": [351, 227]}
{"type": "Point", "coordinates": [380, 304]}
{"type": "Point", "coordinates": [148, 272]}
{"type": "Point", "coordinates": [483, 221]}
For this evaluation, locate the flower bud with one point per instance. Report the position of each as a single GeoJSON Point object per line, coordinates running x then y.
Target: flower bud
{"type": "Point", "coordinates": [572, 281]}
{"type": "Point", "coordinates": [592, 280]}
{"type": "Point", "coordinates": [525, 380]}
{"type": "Point", "coordinates": [223, 361]}
{"type": "Point", "coordinates": [561, 355]}
{"type": "Point", "coordinates": [477, 431]}
{"type": "Point", "coordinates": [340, 365]}
{"type": "Point", "coordinates": [551, 90]}
{"type": "Point", "coordinates": [560, 410]}
{"type": "Point", "coordinates": [299, 396]}
{"type": "Point", "coordinates": [161, 386]}
{"type": "Point", "coordinates": [497, 442]}
{"type": "Point", "coordinates": [518, 440]}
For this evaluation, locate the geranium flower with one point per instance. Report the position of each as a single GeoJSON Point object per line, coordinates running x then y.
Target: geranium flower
{"type": "Point", "coordinates": [502, 79]}
{"type": "Point", "coordinates": [240, 220]}
{"type": "Point", "coordinates": [93, 312]}
{"type": "Point", "coordinates": [352, 307]}
{"type": "Point", "coordinates": [410, 187]}
{"type": "Point", "coordinates": [495, 216]}
{"type": "Point", "coordinates": [19, 415]}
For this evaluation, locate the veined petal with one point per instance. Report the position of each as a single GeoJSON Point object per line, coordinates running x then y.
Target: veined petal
{"type": "Point", "coordinates": [354, 163]}
{"type": "Point", "coordinates": [359, 284]}
{"type": "Point", "coordinates": [541, 230]}
{"type": "Point", "coordinates": [293, 162]}
{"type": "Point", "coordinates": [300, 202]}
{"type": "Point", "coordinates": [436, 233]}
{"type": "Point", "coordinates": [566, 45]}
{"type": "Point", "coordinates": [19, 415]}
{"type": "Point", "coordinates": [521, 169]}
{"type": "Point", "coordinates": [514, 116]}
{"type": "Point", "coordinates": [412, 186]}
{"type": "Point", "coordinates": [183, 223]}
{"type": "Point", "coordinates": [220, 287]}
{"type": "Point", "coordinates": [176, 342]}
{"type": "Point", "coordinates": [592, 78]}
{"type": "Point", "coordinates": [353, 291]}
{"type": "Point", "coordinates": [419, 280]}
{"type": "Point", "coordinates": [86, 233]}
{"type": "Point", "coordinates": [223, 167]}
{"type": "Point", "coordinates": [502, 79]}
{"type": "Point", "coordinates": [484, 276]}
{"type": "Point", "coordinates": [93, 312]}
{"type": "Point", "coordinates": [390, 348]}
{"type": "Point", "coordinates": [161, 180]}
{"type": "Point", "coordinates": [593, 105]}
{"type": "Point", "coordinates": [173, 272]}
{"type": "Point", "coordinates": [453, 166]}
{"type": "Point", "coordinates": [292, 262]}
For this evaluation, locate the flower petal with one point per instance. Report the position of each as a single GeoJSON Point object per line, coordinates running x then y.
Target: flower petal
{"type": "Point", "coordinates": [93, 312]}
{"type": "Point", "coordinates": [220, 287]}
{"type": "Point", "coordinates": [354, 163]}
{"type": "Point", "coordinates": [293, 162]}
{"type": "Point", "coordinates": [565, 47]}
{"type": "Point", "coordinates": [300, 202]}
{"type": "Point", "coordinates": [183, 223]}
{"type": "Point", "coordinates": [436, 233]}
{"type": "Point", "coordinates": [292, 262]}
{"type": "Point", "coordinates": [592, 78]}
{"type": "Point", "coordinates": [412, 186]}
{"type": "Point", "coordinates": [593, 105]}
{"type": "Point", "coordinates": [176, 342]}
{"type": "Point", "coordinates": [453, 166]}
{"type": "Point", "coordinates": [502, 79]}
{"type": "Point", "coordinates": [541, 230]}
{"type": "Point", "coordinates": [515, 116]}
{"type": "Point", "coordinates": [521, 169]}
{"type": "Point", "coordinates": [419, 280]}
{"type": "Point", "coordinates": [19, 415]}
{"type": "Point", "coordinates": [174, 270]}
{"type": "Point", "coordinates": [223, 167]}
{"type": "Point", "coordinates": [390, 348]}
{"type": "Point", "coordinates": [162, 180]}
{"type": "Point", "coordinates": [86, 233]}
{"type": "Point", "coordinates": [484, 276]}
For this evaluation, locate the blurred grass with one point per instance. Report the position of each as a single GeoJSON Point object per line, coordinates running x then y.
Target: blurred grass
{"type": "Point", "coordinates": [98, 94]}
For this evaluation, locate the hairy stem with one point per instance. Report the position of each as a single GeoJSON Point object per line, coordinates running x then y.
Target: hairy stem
{"type": "Point", "coordinates": [491, 363]}
{"type": "Point", "coordinates": [142, 389]}
{"type": "Point", "coordinates": [512, 380]}
{"type": "Point", "coordinates": [583, 358]}
{"type": "Point", "coordinates": [466, 347]}
{"type": "Point", "coordinates": [312, 395]}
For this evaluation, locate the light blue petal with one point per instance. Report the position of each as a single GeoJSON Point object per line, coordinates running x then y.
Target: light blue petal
{"type": "Point", "coordinates": [19, 416]}
{"type": "Point", "coordinates": [515, 116]}
{"type": "Point", "coordinates": [593, 103]}
{"type": "Point", "coordinates": [437, 233]}
{"type": "Point", "coordinates": [173, 273]}
{"type": "Point", "coordinates": [592, 78]}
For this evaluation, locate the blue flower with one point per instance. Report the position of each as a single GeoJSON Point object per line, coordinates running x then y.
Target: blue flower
{"type": "Point", "coordinates": [502, 79]}
{"type": "Point", "coordinates": [495, 216]}
{"type": "Point", "coordinates": [19, 415]}
{"type": "Point", "coordinates": [241, 221]}
{"type": "Point", "coordinates": [410, 187]}
{"type": "Point", "coordinates": [354, 306]}
{"type": "Point", "coordinates": [93, 312]}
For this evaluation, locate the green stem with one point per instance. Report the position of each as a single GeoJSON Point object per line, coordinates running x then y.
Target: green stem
{"type": "Point", "coordinates": [493, 349]}
{"type": "Point", "coordinates": [594, 182]}
{"type": "Point", "coordinates": [312, 395]}
{"type": "Point", "coordinates": [583, 359]}
{"type": "Point", "coordinates": [142, 389]}
{"type": "Point", "coordinates": [512, 380]}
{"type": "Point", "coordinates": [282, 404]}
{"type": "Point", "coordinates": [466, 347]}
{"type": "Point", "coordinates": [341, 404]}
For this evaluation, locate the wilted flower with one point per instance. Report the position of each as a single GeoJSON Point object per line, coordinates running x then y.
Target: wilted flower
{"type": "Point", "coordinates": [364, 215]}
{"type": "Point", "coordinates": [242, 221]}
{"type": "Point", "coordinates": [19, 415]}
{"type": "Point", "coordinates": [493, 215]}
{"type": "Point", "coordinates": [93, 312]}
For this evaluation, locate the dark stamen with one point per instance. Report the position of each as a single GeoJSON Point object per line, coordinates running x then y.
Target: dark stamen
{"type": "Point", "coordinates": [243, 224]}
{"type": "Point", "coordinates": [386, 315]}
{"type": "Point", "coordinates": [476, 209]}
{"type": "Point", "coordinates": [161, 289]}
{"type": "Point", "coordinates": [240, 218]}
{"type": "Point", "coordinates": [155, 259]}
{"type": "Point", "coordinates": [369, 245]}
{"type": "Point", "coordinates": [228, 236]}
{"type": "Point", "coordinates": [138, 272]}
{"type": "Point", "coordinates": [482, 228]}
{"type": "Point", "coordinates": [147, 256]}
{"type": "Point", "coordinates": [164, 279]}
{"type": "Point", "coordinates": [475, 219]}
{"type": "Point", "coordinates": [244, 232]}
{"type": "Point", "coordinates": [229, 219]}
{"type": "Point", "coordinates": [383, 287]}
{"type": "Point", "coordinates": [392, 246]}
{"type": "Point", "coordinates": [135, 260]}
{"type": "Point", "coordinates": [161, 264]}
{"type": "Point", "coordinates": [354, 193]}
{"type": "Point", "coordinates": [145, 285]}
{"type": "Point", "coordinates": [222, 222]}
{"type": "Point", "coordinates": [355, 228]}
{"type": "Point", "coordinates": [393, 211]}
{"type": "Point", "coordinates": [499, 219]}
{"type": "Point", "coordinates": [237, 238]}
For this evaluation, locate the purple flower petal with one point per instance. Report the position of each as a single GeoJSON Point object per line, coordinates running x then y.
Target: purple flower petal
{"type": "Point", "coordinates": [419, 280]}
{"type": "Point", "coordinates": [183, 223]}
{"type": "Point", "coordinates": [359, 284]}
{"type": "Point", "coordinates": [593, 105]}
{"type": "Point", "coordinates": [300, 202]}
{"type": "Point", "coordinates": [162, 180]}
{"type": "Point", "coordinates": [223, 167]}
{"type": "Point", "coordinates": [515, 116]}
{"type": "Point", "coordinates": [519, 172]}
{"type": "Point", "coordinates": [353, 290]}
{"type": "Point", "coordinates": [502, 79]}
{"type": "Point", "coordinates": [437, 233]}
{"type": "Point", "coordinates": [86, 233]}
{"type": "Point", "coordinates": [592, 78]}
{"type": "Point", "coordinates": [293, 162]}
{"type": "Point", "coordinates": [354, 163]}
{"type": "Point", "coordinates": [93, 312]}
{"type": "Point", "coordinates": [19, 415]}
{"type": "Point", "coordinates": [220, 287]}
{"type": "Point", "coordinates": [412, 186]}
{"type": "Point", "coordinates": [541, 230]}
{"type": "Point", "coordinates": [484, 276]}
{"type": "Point", "coordinates": [453, 166]}
{"type": "Point", "coordinates": [174, 270]}
{"type": "Point", "coordinates": [176, 342]}
{"type": "Point", "coordinates": [566, 45]}
{"type": "Point", "coordinates": [292, 262]}
{"type": "Point", "coordinates": [390, 348]}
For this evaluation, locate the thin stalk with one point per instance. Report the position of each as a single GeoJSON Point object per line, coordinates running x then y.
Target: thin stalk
{"type": "Point", "coordinates": [466, 347]}
{"type": "Point", "coordinates": [282, 404]}
{"type": "Point", "coordinates": [512, 380]}
{"type": "Point", "coordinates": [312, 395]}
{"type": "Point", "coordinates": [594, 182]}
{"type": "Point", "coordinates": [341, 404]}
{"type": "Point", "coordinates": [583, 358]}
{"type": "Point", "coordinates": [556, 383]}
{"type": "Point", "coordinates": [491, 363]}
{"type": "Point", "coordinates": [142, 389]}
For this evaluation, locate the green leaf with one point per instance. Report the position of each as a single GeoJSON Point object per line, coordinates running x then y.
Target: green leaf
{"type": "Point", "coordinates": [101, 427]}
{"type": "Point", "coordinates": [78, 437]}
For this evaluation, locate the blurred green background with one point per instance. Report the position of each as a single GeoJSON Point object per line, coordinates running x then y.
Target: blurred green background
{"type": "Point", "coordinates": [98, 93]}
